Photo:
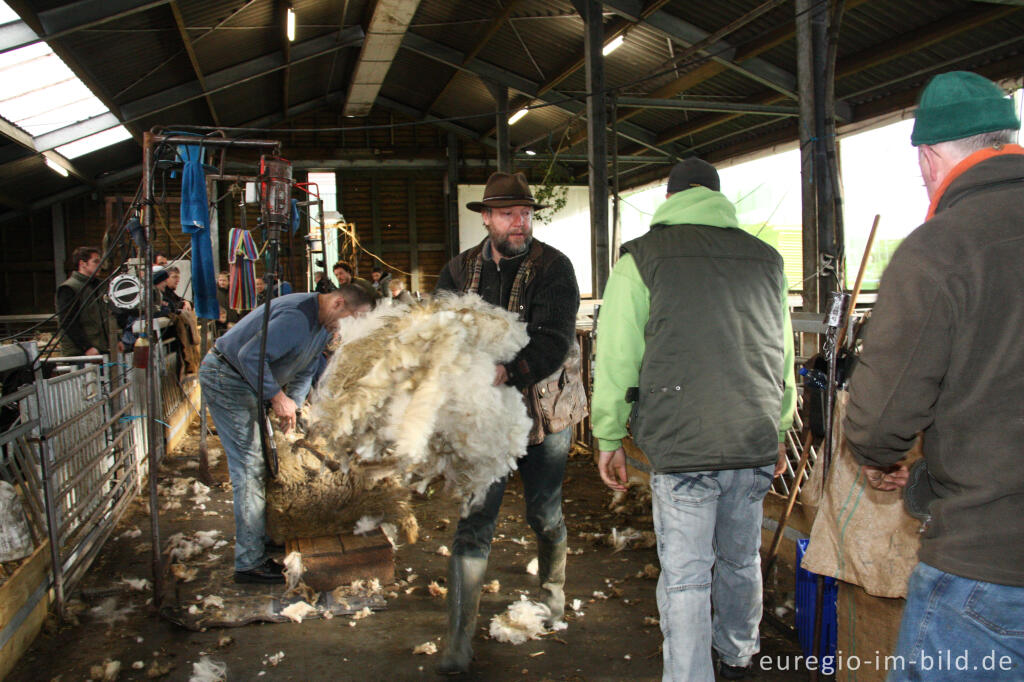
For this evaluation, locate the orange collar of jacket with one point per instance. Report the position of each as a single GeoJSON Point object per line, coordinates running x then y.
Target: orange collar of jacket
{"type": "Point", "coordinates": [971, 161]}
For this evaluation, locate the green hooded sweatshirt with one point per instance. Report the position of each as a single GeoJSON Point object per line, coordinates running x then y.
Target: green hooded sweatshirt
{"type": "Point", "coordinates": [625, 313]}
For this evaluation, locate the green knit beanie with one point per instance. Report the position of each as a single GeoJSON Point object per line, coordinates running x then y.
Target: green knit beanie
{"type": "Point", "coordinates": [960, 104]}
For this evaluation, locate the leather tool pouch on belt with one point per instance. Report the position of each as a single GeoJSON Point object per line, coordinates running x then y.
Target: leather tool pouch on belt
{"type": "Point", "coordinates": [559, 401]}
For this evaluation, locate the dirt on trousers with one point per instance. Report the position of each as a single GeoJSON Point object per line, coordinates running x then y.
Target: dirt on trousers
{"type": "Point", "coordinates": [614, 634]}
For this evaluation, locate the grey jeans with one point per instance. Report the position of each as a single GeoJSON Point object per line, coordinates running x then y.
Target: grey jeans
{"type": "Point", "coordinates": [233, 406]}
{"type": "Point", "coordinates": [708, 525]}
{"type": "Point", "coordinates": [542, 470]}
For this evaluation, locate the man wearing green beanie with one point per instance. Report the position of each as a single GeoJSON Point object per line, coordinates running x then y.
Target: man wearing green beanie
{"type": "Point", "coordinates": [944, 354]}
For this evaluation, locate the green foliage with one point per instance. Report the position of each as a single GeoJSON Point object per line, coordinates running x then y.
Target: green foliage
{"type": "Point", "coordinates": [552, 191]}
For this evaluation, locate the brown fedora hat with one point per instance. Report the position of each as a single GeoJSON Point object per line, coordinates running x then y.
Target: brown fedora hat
{"type": "Point", "coordinates": [505, 189]}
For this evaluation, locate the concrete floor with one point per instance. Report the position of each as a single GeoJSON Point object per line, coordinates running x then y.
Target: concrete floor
{"type": "Point", "coordinates": [610, 641]}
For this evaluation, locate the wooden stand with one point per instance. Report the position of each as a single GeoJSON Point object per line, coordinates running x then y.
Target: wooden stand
{"type": "Point", "coordinates": [333, 560]}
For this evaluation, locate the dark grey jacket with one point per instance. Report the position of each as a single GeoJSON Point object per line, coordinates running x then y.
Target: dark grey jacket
{"type": "Point", "coordinates": [711, 381]}
{"type": "Point", "coordinates": [944, 354]}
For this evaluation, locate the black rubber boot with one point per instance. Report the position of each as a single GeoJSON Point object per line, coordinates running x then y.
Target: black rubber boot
{"type": "Point", "coordinates": [465, 577]}
{"type": "Point", "coordinates": [551, 572]}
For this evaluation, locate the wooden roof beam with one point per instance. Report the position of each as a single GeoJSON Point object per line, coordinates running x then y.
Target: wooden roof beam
{"type": "Point", "coordinates": [186, 41]}
{"type": "Point", "coordinates": [492, 29]}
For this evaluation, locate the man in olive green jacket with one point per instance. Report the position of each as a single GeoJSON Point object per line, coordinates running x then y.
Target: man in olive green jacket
{"type": "Point", "coordinates": [695, 349]}
{"type": "Point", "coordinates": [84, 318]}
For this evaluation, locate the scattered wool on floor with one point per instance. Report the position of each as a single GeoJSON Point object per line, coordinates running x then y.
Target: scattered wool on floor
{"type": "Point", "coordinates": [522, 621]}
{"type": "Point", "coordinates": [427, 649]}
{"type": "Point", "coordinates": [137, 584]}
{"type": "Point", "coordinates": [108, 612]}
{"type": "Point", "coordinates": [208, 670]}
{"type": "Point", "coordinates": [106, 672]}
{"type": "Point", "coordinates": [298, 611]}
{"type": "Point", "coordinates": [630, 538]}
{"type": "Point", "coordinates": [413, 387]}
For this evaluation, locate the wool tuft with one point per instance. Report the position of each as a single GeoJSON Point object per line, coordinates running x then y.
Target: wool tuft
{"type": "Point", "coordinates": [522, 621]}
{"type": "Point", "coordinates": [208, 670]}
{"type": "Point", "coordinates": [298, 611]}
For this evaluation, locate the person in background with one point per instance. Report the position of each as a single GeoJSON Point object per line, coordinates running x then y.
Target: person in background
{"type": "Point", "coordinates": [342, 272]}
{"type": "Point", "coordinates": [379, 280]}
{"type": "Point", "coordinates": [224, 296]}
{"type": "Point", "coordinates": [261, 290]}
{"type": "Point", "coordinates": [84, 318]}
{"type": "Point", "coordinates": [175, 302]}
{"type": "Point", "coordinates": [161, 306]}
{"type": "Point", "coordinates": [323, 283]}
{"type": "Point", "coordinates": [944, 355]}
{"type": "Point", "coordinates": [398, 294]}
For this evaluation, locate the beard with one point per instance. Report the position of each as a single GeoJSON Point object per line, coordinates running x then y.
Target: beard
{"type": "Point", "coordinates": [509, 250]}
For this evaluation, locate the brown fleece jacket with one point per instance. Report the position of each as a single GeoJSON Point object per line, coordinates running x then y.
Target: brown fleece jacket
{"type": "Point", "coordinates": [944, 354]}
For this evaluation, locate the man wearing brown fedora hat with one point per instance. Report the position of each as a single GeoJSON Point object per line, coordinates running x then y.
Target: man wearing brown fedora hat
{"type": "Point", "coordinates": [511, 269]}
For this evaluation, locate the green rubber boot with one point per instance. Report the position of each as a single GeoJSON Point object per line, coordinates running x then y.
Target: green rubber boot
{"type": "Point", "coordinates": [551, 572]}
{"type": "Point", "coordinates": [465, 577]}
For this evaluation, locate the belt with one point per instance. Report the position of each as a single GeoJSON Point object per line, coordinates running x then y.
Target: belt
{"type": "Point", "coordinates": [227, 363]}
{"type": "Point", "coordinates": [223, 358]}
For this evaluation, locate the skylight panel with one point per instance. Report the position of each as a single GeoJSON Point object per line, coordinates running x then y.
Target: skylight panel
{"type": "Point", "coordinates": [41, 94]}
{"type": "Point", "coordinates": [82, 147]}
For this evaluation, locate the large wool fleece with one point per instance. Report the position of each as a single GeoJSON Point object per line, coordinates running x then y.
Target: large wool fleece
{"type": "Point", "coordinates": [310, 499]}
{"type": "Point", "coordinates": [414, 385]}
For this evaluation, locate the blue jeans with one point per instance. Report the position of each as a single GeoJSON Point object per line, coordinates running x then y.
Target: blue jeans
{"type": "Point", "coordinates": [232, 404]}
{"type": "Point", "coordinates": [708, 525]}
{"type": "Point", "coordinates": [959, 629]}
{"type": "Point", "coordinates": [542, 470]}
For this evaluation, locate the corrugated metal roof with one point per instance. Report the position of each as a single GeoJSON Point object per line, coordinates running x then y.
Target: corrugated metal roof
{"type": "Point", "coordinates": [142, 54]}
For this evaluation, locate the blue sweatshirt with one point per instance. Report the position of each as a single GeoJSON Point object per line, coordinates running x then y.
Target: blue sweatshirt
{"type": "Point", "coordinates": [295, 339]}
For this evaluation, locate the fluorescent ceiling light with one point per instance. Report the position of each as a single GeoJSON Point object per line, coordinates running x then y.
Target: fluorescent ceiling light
{"type": "Point", "coordinates": [516, 116]}
{"type": "Point", "coordinates": [613, 45]}
{"type": "Point", "coordinates": [72, 150]}
{"type": "Point", "coordinates": [530, 152]}
{"type": "Point", "coordinates": [56, 167]}
{"type": "Point", "coordinates": [291, 25]}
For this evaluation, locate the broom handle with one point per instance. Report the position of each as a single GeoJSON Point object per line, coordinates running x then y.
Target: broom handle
{"type": "Point", "coordinates": [860, 279]}
{"type": "Point", "coordinates": [773, 551]}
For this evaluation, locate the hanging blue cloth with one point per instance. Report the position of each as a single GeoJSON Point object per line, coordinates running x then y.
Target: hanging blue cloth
{"type": "Point", "coordinates": [295, 216]}
{"type": "Point", "coordinates": [195, 220]}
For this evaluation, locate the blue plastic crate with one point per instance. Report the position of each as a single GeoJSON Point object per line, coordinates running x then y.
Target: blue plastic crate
{"type": "Point", "coordinates": [806, 597]}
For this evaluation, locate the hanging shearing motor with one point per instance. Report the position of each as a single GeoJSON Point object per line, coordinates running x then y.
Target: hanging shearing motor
{"type": "Point", "coordinates": [275, 194]}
